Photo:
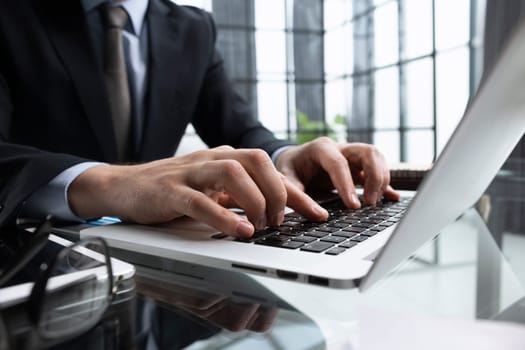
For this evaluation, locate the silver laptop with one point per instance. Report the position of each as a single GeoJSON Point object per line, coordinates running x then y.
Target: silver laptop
{"type": "Point", "coordinates": [491, 127]}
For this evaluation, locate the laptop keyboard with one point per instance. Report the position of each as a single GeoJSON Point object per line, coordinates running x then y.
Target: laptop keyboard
{"type": "Point", "coordinates": [344, 229]}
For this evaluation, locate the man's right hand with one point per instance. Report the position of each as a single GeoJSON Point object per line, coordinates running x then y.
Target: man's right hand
{"type": "Point", "coordinates": [201, 185]}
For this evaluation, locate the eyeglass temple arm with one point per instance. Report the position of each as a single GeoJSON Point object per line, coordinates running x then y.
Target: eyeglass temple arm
{"type": "Point", "coordinates": [27, 253]}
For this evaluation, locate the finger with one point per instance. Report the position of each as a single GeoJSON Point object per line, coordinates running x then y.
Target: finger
{"type": "Point", "coordinates": [263, 319]}
{"type": "Point", "coordinates": [225, 200]}
{"type": "Point", "coordinates": [375, 170]}
{"type": "Point", "coordinates": [374, 185]}
{"type": "Point", "coordinates": [391, 194]}
{"type": "Point", "coordinates": [292, 177]}
{"type": "Point", "coordinates": [304, 204]}
{"type": "Point", "coordinates": [234, 316]}
{"type": "Point", "coordinates": [200, 207]}
{"type": "Point", "coordinates": [204, 312]}
{"type": "Point", "coordinates": [329, 156]}
{"type": "Point", "coordinates": [260, 168]}
{"type": "Point", "coordinates": [230, 176]}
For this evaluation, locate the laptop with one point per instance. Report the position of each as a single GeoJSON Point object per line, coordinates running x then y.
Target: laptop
{"type": "Point", "coordinates": [490, 128]}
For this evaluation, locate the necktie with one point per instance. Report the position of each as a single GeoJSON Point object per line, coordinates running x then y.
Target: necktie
{"type": "Point", "coordinates": [115, 18]}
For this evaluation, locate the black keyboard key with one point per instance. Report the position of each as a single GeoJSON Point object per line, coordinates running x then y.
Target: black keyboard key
{"type": "Point", "coordinates": [284, 229]}
{"type": "Point", "coordinates": [338, 225]}
{"type": "Point", "coordinates": [360, 215]}
{"type": "Point", "coordinates": [335, 251]}
{"type": "Point", "coordinates": [317, 234]}
{"type": "Point", "coordinates": [354, 229]}
{"type": "Point", "coordinates": [333, 239]}
{"type": "Point", "coordinates": [317, 247]}
{"type": "Point", "coordinates": [292, 224]}
{"type": "Point", "coordinates": [304, 239]}
{"type": "Point", "coordinates": [292, 245]}
{"type": "Point", "coordinates": [374, 220]}
{"type": "Point", "coordinates": [364, 225]}
{"type": "Point", "coordinates": [265, 232]}
{"type": "Point", "coordinates": [369, 233]}
{"type": "Point", "coordinates": [348, 244]}
{"type": "Point", "coordinates": [326, 228]}
{"type": "Point", "coordinates": [291, 233]}
{"type": "Point", "coordinates": [383, 216]}
{"type": "Point", "coordinates": [348, 221]}
{"type": "Point", "coordinates": [219, 235]}
{"type": "Point", "coordinates": [286, 244]}
{"type": "Point", "coordinates": [359, 238]}
{"type": "Point", "coordinates": [258, 235]}
{"type": "Point", "coordinates": [277, 238]}
{"type": "Point", "coordinates": [344, 234]}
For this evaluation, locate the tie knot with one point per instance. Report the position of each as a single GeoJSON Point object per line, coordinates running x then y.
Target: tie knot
{"type": "Point", "coordinates": [114, 16]}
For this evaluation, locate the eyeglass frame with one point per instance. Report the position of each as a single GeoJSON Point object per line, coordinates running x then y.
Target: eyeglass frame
{"type": "Point", "coordinates": [38, 290]}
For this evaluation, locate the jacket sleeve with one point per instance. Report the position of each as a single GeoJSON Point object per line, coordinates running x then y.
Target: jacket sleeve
{"type": "Point", "coordinates": [23, 169]}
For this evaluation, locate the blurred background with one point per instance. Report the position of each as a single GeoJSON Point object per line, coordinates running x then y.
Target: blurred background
{"type": "Point", "coordinates": [396, 73]}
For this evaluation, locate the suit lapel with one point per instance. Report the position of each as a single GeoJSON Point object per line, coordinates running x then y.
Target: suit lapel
{"type": "Point", "coordinates": [161, 122]}
{"type": "Point", "coordinates": [67, 29]}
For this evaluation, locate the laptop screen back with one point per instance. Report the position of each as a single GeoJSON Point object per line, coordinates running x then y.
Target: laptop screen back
{"type": "Point", "coordinates": [491, 127]}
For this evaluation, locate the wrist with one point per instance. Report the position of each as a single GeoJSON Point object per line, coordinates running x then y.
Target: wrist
{"type": "Point", "coordinates": [89, 195]}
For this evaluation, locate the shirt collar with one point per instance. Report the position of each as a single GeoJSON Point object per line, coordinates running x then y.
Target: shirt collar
{"type": "Point", "coordinates": [136, 10]}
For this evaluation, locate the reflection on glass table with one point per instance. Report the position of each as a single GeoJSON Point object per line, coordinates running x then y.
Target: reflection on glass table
{"type": "Point", "coordinates": [203, 308]}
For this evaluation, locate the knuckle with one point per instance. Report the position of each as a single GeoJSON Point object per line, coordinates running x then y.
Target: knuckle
{"type": "Point", "coordinates": [190, 203]}
{"type": "Point", "coordinates": [200, 154]}
{"type": "Point", "coordinates": [325, 140]}
{"type": "Point", "coordinates": [259, 156]}
{"type": "Point", "coordinates": [223, 148]}
{"type": "Point", "coordinates": [373, 151]}
{"type": "Point", "coordinates": [231, 168]}
{"type": "Point", "coordinates": [336, 161]}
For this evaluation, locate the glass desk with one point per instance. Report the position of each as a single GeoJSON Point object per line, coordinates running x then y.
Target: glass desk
{"type": "Point", "coordinates": [431, 301]}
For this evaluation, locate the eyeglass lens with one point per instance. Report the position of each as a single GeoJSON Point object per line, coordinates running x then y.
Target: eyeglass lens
{"type": "Point", "coordinates": [78, 293]}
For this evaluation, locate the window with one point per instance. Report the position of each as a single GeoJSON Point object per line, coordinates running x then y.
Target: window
{"type": "Point", "coordinates": [397, 73]}
{"type": "Point", "coordinates": [414, 67]}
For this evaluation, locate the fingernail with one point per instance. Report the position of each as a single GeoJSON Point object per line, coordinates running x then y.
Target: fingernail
{"type": "Point", "coordinates": [355, 200]}
{"type": "Point", "coordinates": [244, 228]}
{"type": "Point", "coordinates": [320, 211]}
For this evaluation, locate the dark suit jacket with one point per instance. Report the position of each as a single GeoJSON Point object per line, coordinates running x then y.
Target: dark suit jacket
{"type": "Point", "coordinates": [53, 98]}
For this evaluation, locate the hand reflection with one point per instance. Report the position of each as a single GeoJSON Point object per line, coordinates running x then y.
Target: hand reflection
{"type": "Point", "coordinates": [220, 310]}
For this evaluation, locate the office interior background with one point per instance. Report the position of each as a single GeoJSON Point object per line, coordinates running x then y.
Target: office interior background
{"type": "Point", "coordinates": [395, 73]}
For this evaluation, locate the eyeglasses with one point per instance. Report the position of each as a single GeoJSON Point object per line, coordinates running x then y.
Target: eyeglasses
{"type": "Point", "coordinates": [73, 285]}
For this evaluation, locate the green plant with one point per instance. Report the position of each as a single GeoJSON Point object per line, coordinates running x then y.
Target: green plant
{"type": "Point", "coordinates": [308, 130]}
